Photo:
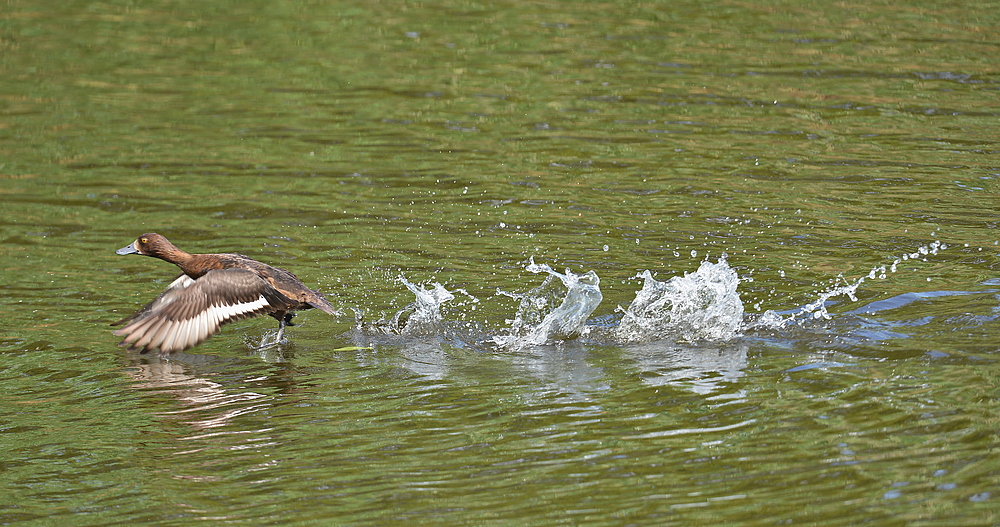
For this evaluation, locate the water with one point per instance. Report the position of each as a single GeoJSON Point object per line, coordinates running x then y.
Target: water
{"type": "Point", "coordinates": [642, 264]}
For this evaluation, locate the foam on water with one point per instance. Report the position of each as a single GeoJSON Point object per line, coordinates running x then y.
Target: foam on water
{"type": "Point", "coordinates": [554, 311]}
{"type": "Point", "coordinates": [699, 306]}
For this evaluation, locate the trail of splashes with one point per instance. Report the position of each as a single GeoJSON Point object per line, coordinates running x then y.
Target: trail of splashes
{"type": "Point", "coordinates": [539, 320]}
{"type": "Point", "coordinates": [699, 306]}
{"type": "Point", "coordinates": [818, 309]}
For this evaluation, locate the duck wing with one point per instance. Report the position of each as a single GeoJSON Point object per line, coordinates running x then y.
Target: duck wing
{"type": "Point", "coordinates": [180, 282]}
{"type": "Point", "coordinates": [190, 311]}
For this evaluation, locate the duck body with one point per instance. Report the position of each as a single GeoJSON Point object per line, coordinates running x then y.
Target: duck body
{"type": "Point", "coordinates": [213, 290]}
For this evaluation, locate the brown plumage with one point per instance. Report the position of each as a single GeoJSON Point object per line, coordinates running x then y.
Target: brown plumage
{"type": "Point", "coordinates": [215, 289]}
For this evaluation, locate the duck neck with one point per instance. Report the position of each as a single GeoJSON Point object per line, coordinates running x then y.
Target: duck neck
{"type": "Point", "coordinates": [196, 265]}
{"type": "Point", "coordinates": [179, 258]}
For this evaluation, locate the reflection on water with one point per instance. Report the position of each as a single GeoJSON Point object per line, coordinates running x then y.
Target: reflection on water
{"type": "Point", "coordinates": [704, 369]}
{"type": "Point", "coordinates": [564, 370]}
{"type": "Point", "coordinates": [200, 395]}
{"type": "Point", "coordinates": [426, 357]}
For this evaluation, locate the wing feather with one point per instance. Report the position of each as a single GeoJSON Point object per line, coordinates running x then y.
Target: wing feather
{"type": "Point", "coordinates": [190, 311]}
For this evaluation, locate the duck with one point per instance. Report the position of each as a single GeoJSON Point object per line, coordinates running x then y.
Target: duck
{"type": "Point", "coordinates": [212, 290]}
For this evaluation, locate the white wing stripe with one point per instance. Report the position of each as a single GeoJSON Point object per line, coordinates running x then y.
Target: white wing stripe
{"type": "Point", "coordinates": [156, 331]}
{"type": "Point", "coordinates": [187, 333]}
{"type": "Point", "coordinates": [225, 312]}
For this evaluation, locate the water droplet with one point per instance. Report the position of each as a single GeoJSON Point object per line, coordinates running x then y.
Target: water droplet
{"type": "Point", "coordinates": [982, 496]}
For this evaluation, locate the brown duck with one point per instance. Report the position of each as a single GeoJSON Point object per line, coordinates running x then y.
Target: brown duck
{"type": "Point", "coordinates": [215, 289]}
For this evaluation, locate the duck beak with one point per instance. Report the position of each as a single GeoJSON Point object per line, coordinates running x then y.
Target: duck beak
{"type": "Point", "coordinates": [128, 249]}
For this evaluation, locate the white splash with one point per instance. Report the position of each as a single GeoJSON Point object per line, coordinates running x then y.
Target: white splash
{"type": "Point", "coordinates": [699, 306]}
{"type": "Point", "coordinates": [423, 316]}
{"type": "Point", "coordinates": [539, 320]}
{"type": "Point", "coordinates": [817, 309]}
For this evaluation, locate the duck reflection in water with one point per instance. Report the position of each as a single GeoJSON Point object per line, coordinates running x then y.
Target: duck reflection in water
{"type": "Point", "coordinates": [208, 404]}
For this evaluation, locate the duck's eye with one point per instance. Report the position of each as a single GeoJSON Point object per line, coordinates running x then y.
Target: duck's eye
{"type": "Point", "coordinates": [143, 240]}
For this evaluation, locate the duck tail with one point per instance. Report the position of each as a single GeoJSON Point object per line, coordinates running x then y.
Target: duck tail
{"type": "Point", "coordinates": [323, 305]}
